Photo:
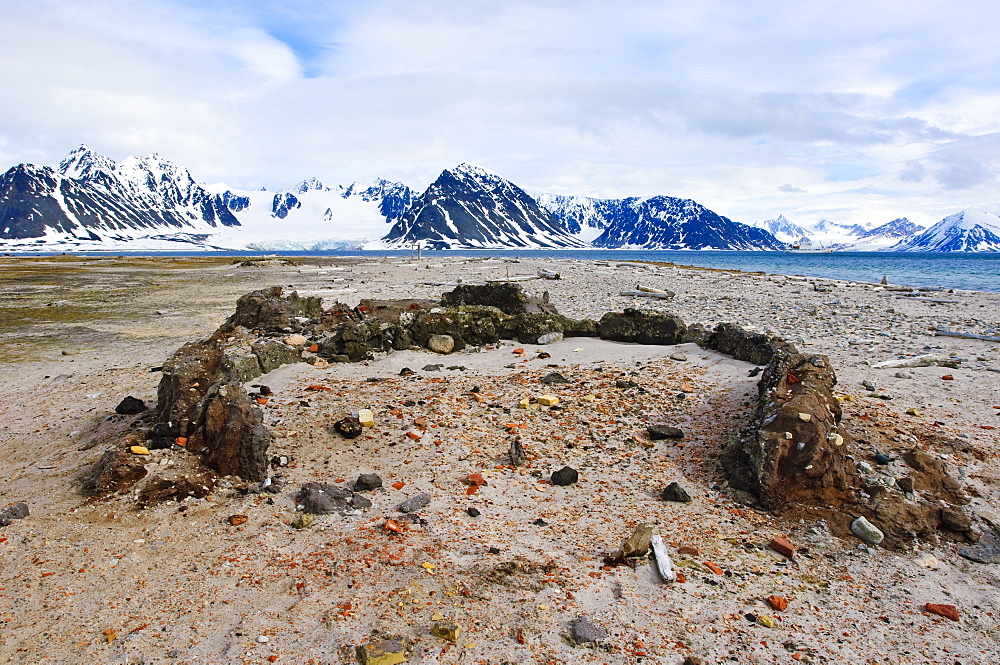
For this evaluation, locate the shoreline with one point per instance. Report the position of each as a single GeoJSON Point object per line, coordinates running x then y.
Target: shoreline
{"type": "Point", "coordinates": [215, 588]}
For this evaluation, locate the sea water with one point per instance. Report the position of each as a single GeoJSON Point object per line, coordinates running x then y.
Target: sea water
{"type": "Point", "coordinates": [934, 270]}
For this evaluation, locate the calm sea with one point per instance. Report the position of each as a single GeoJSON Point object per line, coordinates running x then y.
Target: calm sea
{"type": "Point", "coordinates": [976, 272]}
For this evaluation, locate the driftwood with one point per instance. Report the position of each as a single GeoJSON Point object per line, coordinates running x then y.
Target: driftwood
{"type": "Point", "coordinates": [923, 360]}
{"type": "Point", "coordinates": [949, 333]}
{"type": "Point", "coordinates": [664, 565]}
{"type": "Point", "coordinates": [548, 274]}
{"type": "Point", "coordinates": [647, 294]}
{"type": "Point", "coordinates": [937, 300]}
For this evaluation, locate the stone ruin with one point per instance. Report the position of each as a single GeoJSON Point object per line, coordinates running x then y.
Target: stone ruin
{"type": "Point", "coordinates": [794, 453]}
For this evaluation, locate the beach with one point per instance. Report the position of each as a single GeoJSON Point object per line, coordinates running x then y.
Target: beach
{"type": "Point", "coordinates": [515, 560]}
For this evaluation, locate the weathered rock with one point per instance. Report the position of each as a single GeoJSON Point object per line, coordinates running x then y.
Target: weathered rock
{"type": "Point", "coordinates": [442, 344]}
{"type": "Point", "coordinates": [756, 348]}
{"type": "Point", "coordinates": [516, 453]}
{"type": "Point", "coordinates": [446, 630]}
{"type": "Point", "coordinates": [565, 476]}
{"type": "Point", "coordinates": [679, 356]}
{"type": "Point", "coordinates": [385, 652]}
{"type": "Point", "coordinates": [955, 519]}
{"type": "Point", "coordinates": [782, 546]}
{"type": "Point", "coordinates": [326, 499]}
{"type": "Point", "coordinates": [866, 531]}
{"type": "Point", "coordinates": [659, 432]}
{"type": "Point", "coordinates": [414, 503]}
{"type": "Point", "coordinates": [553, 378]}
{"type": "Point", "coordinates": [509, 298]}
{"type": "Point", "coordinates": [946, 611]}
{"type": "Point", "coordinates": [981, 553]}
{"type": "Point", "coordinates": [550, 338]}
{"type": "Point", "coordinates": [637, 544]}
{"type": "Point", "coordinates": [641, 327]}
{"type": "Point", "coordinates": [117, 471]}
{"type": "Point", "coordinates": [234, 439]}
{"type": "Point", "coordinates": [367, 482]}
{"type": "Point", "coordinates": [187, 376]}
{"type": "Point", "coordinates": [583, 631]}
{"type": "Point", "coordinates": [781, 458]}
{"type": "Point", "coordinates": [18, 511]}
{"type": "Point", "coordinates": [272, 354]}
{"type": "Point", "coordinates": [348, 427]}
{"type": "Point", "coordinates": [270, 311]}
{"type": "Point", "coordinates": [931, 475]}
{"type": "Point", "coordinates": [674, 492]}
{"type": "Point", "coordinates": [130, 406]}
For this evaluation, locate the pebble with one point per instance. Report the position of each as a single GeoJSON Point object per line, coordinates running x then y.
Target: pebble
{"type": "Point", "coordinates": [882, 458]}
{"type": "Point", "coordinates": [414, 503]}
{"type": "Point", "coordinates": [659, 432]}
{"type": "Point", "coordinates": [678, 356]}
{"type": "Point", "coordinates": [946, 611]}
{"type": "Point", "coordinates": [442, 344]}
{"type": "Point", "coordinates": [582, 631]}
{"type": "Point", "coordinates": [766, 621]}
{"type": "Point", "coordinates": [263, 639]}
{"type": "Point", "coordinates": [782, 546]}
{"type": "Point", "coordinates": [674, 492]}
{"type": "Point", "coordinates": [565, 476]}
{"type": "Point", "coordinates": [778, 603]}
{"type": "Point", "coordinates": [867, 531]}
{"type": "Point", "coordinates": [550, 338]}
{"type": "Point", "coordinates": [904, 374]}
{"type": "Point", "coordinates": [928, 561]}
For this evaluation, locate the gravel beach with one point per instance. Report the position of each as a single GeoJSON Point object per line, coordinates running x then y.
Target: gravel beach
{"type": "Point", "coordinates": [500, 551]}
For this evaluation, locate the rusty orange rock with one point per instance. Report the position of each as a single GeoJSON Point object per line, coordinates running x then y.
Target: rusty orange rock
{"type": "Point", "coordinates": [778, 603]}
{"type": "Point", "coordinates": [946, 611]}
{"type": "Point", "coordinates": [781, 545]}
{"type": "Point", "coordinates": [714, 567]}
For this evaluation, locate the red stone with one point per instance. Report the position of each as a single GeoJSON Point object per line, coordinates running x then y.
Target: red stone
{"type": "Point", "coordinates": [778, 603]}
{"type": "Point", "coordinates": [947, 611]}
{"type": "Point", "coordinates": [781, 545]}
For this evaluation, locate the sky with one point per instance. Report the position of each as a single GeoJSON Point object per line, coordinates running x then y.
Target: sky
{"type": "Point", "coordinates": [857, 112]}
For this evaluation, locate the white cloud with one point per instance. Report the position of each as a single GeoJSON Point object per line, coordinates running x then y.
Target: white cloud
{"type": "Point", "coordinates": [864, 106]}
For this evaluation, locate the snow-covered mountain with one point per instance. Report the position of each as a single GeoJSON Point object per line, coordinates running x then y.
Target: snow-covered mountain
{"type": "Point", "coordinates": [971, 230]}
{"type": "Point", "coordinates": [90, 200]}
{"type": "Point", "coordinates": [782, 228]}
{"type": "Point", "coordinates": [469, 206]}
{"type": "Point", "coordinates": [312, 216]}
{"type": "Point", "coordinates": [656, 222]}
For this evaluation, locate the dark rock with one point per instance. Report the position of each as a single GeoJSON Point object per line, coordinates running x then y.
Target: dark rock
{"type": "Point", "coordinates": [509, 298]}
{"type": "Point", "coordinates": [326, 499]}
{"type": "Point", "coordinates": [625, 384]}
{"type": "Point", "coordinates": [905, 483]}
{"type": "Point", "coordinates": [674, 492]}
{"type": "Point", "coordinates": [234, 440]}
{"type": "Point", "coordinates": [270, 311]}
{"type": "Point", "coordinates": [433, 368]}
{"type": "Point", "coordinates": [18, 511]}
{"type": "Point", "coordinates": [117, 471]}
{"type": "Point", "coordinates": [641, 327]}
{"type": "Point", "coordinates": [406, 371]}
{"type": "Point", "coordinates": [472, 512]}
{"type": "Point", "coordinates": [516, 453]}
{"type": "Point", "coordinates": [583, 631]}
{"type": "Point", "coordinates": [348, 427]}
{"type": "Point", "coordinates": [658, 432]}
{"type": "Point", "coordinates": [367, 482]}
{"type": "Point", "coordinates": [982, 553]}
{"type": "Point", "coordinates": [272, 354]}
{"type": "Point", "coordinates": [552, 378]}
{"type": "Point", "coordinates": [565, 476]}
{"type": "Point", "coordinates": [695, 660]}
{"type": "Point", "coordinates": [414, 503]}
{"type": "Point", "coordinates": [187, 376]}
{"type": "Point", "coordinates": [931, 475]}
{"type": "Point", "coordinates": [130, 406]}
{"type": "Point", "coordinates": [955, 519]}
{"type": "Point", "coordinates": [756, 348]}
{"type": "Point", "coordinates": [882, 458]}
{"type": "Point", "coordinates": [540, 522]}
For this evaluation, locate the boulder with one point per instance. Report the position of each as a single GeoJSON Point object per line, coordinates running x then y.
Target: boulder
{"type": "Point", "coordinates": [269, 311]}
{"type": "Point", "coordinates": [509, 298]}
{"type": "Point", "coordinates": [442, 344]}
{"type": "Point", "coordinates": [272, 354]}
{"type": "Point", "coordinates": [641, 327]}
{"type": "Point", "coordinates": [234, 440]}
{"type": "Point", "coordinates": [130, 406]}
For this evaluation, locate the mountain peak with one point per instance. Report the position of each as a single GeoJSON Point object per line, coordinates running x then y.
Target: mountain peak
{"type": "Point", "coordinates": [474, 171]}
{"type": "Point", "coordinates": [82, 162]}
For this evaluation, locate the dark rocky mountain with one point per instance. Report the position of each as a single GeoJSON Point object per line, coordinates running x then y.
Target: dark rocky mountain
{"type": "Point", "coordinates": [471, 207]}
{"type": "Point", "coordinates": [89, 197]}
{"type": "Point", "coordinates": [900, 227]}
{"type": "Point", "coordinates": [658, 222]}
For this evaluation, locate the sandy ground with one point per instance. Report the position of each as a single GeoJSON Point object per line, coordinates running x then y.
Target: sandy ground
{"type": "Point", "coordinates": [176, 583]}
